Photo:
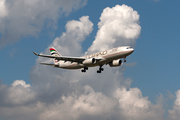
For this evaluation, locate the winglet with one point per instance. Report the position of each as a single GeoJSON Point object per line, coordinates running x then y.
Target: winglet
{"type": "Point", "coordinates": [36, 53]}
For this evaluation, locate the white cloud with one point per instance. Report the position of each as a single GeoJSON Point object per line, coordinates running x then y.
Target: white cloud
{"type": "Point", "coordinates": [89, 104]}
{"type": "Point", "coordinates": [20, 82]}
{"type": "Point", "coordinates": [93, 103]}
{"type": "Point", "coordinates": [174, 114]}
{"type": "Point", "coordinates": [134, 106]}
{"type": "Point", "coordinates": [22, 18]}
{"type": "Point", "coordinates": [3, 11]}
{"type": "Point", "coordinates": [132, 100]}
{"type": "Point", "coordinates": [125, 105]}
{"type": "Point", "coordinates": [19, 93]}
{"type": "Point", "coordinates": [118, 26]}
{"type": "Point", "coordinates": [76, 32]}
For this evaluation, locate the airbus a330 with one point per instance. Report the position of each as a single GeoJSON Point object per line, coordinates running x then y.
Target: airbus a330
{"type": "Point", "coordinates": [110, 57]}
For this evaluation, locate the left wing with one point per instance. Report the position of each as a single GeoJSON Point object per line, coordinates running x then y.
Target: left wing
{"type": "Point", "coordinates": [65, 58]}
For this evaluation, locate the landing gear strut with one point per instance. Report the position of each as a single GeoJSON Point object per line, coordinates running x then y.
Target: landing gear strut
{"type": "Point", "coordinates": [124, 59]}
{"type": "Point", "coordinates": [84, 70]}
{"type": "Point", "coordinates": [100, 69]}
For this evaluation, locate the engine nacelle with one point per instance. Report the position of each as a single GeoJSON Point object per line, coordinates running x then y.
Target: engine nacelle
{"type": "Point", "coordinates": [89, 61]}
{"type": "Point", "coordinates": [115, 63]}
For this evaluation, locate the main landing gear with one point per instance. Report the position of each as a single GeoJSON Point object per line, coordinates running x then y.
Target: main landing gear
{"type": "Point", "coordinates": [84, 70]}
{"type": "Point", "coordinates": [100, 69]}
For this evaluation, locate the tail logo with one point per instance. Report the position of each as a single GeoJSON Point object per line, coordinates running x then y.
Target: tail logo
{"type": "Point", "coordinates": [53, 51]}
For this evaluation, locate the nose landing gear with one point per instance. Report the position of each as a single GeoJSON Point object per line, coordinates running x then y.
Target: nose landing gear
{"type": "Point", "coordinates": [124, 59]}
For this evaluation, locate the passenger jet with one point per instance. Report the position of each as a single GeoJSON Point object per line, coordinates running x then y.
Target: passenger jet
{"type": "Point", "coordinates": [111, 57]}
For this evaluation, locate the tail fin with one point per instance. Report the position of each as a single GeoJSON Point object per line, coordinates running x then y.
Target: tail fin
{"type": "Point", "coordinates": [54, 52]}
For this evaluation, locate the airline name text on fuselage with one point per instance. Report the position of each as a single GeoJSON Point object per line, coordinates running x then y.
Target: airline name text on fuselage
{"type": "Point", "coordinates": [100, 53]}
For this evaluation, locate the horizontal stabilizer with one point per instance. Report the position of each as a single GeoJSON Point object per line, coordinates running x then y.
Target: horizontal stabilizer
{"type": "Point", "coordinates": [53, 65]}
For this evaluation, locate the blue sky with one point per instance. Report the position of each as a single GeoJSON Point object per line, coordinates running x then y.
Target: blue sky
{"type": "Point", "coordinates": [155, 70]}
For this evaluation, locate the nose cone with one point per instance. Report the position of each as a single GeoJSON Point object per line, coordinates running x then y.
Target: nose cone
{"type": "Point", "coordinates": [128, 50]}
{"type": "Point", "coordinates": [132, 50]}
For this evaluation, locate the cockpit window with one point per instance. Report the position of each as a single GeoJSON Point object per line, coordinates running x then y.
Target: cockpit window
{"type": "Point", "coordinates": [128, 48]}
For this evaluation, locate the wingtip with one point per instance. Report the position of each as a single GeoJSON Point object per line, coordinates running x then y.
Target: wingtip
{"type": "Point", "coordinates": [35, 53]}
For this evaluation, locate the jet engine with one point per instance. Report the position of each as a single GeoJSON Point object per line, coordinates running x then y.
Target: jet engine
{"type": "Point", "coordinates": [89, 61]}
{"type": "Point", "coordinates": [115, 63]}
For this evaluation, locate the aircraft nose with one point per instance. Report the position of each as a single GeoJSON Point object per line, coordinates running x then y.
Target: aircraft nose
{"type": "Point", "coordinates": [132, 50]}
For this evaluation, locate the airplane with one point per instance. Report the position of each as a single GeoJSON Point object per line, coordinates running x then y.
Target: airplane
{"type": "Point", "coordinates": [110, 57]}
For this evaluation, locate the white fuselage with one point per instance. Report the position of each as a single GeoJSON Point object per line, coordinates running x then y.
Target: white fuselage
{"type": "Point", "coordinates": [105, 56]}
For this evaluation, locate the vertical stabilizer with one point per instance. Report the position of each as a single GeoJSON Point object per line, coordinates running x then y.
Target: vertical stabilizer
{"type": "Point", "coordinates": [54, 52]}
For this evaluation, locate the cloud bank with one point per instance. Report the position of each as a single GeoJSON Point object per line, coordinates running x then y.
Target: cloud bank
{"type": "Point", "coordinates": [62, 94]}
{"type": "Point", "coordinates": [24, 18]}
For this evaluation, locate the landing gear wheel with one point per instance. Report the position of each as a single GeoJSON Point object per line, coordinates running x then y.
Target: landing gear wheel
{"type": "Point", "coordinates": [85, 68]}
{"type": "Point", "coordinates": [100, 69]}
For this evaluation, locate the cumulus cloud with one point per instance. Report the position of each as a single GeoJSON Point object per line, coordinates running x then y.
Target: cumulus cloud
{"type": "Point", "coordinates": [3, 10]}
{"type": "Point", "coordinates": [22, 18]}
{"type": "Point", "coordinates": [19, 93]}
{"type": "Point", "coordinates": [118, 26]}
{"type": "Point", "coordinates": [85, 106]}
{"type": "Point", "coordinates": [174, 114]}
{"type": "Point", "coordinates": [76, 32]}
{"type": "Point", "coordinates": [125, 105]}
{"type": "Point", "coordinates": [21, 83]}
{"type": "Point", "coordinates": [134, 106]}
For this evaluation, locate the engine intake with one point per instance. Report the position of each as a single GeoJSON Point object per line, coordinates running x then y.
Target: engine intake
{"type": "Point", "coordinates": [89, 61]}
{"type": "Point", "coordinates": [115, 63]}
